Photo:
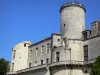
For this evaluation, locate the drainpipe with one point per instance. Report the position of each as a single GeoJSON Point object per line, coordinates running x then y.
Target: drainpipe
{"type": "Point", "coordinates": [70, 60]}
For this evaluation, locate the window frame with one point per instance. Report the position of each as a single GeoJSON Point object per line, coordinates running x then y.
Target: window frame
{"type": "Point", "coordinates": [41, 62]}
{"type": "Point", "coordinates": [12, 66]}
{"type": "Point", "coordinates": [47, 60]}
{"type": "Point", "coordinates": [24, 44]}
{"type": "Point", "coordinates": [36, 51]}
{"type": "Point", "coordinates": [30, 65]}
{"type": "Point", "coordinates": [85, 47]}
{"type": "Point", "coordinates": [14, 54]}
{"type": "Point", "coordinates": [42, 49]}
{"type": "Point", "coordinates": [48, 48]}
{"type": "Point", "coordinates": [57, 56]}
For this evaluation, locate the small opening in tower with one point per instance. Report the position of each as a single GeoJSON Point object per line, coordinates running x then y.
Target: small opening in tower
{"type": "Point", "coordinates": [64, 25]}
{"type": "Point", "coordinates": [58, 39]}
{"type": "Point", "coordinates": [86, 71]}
{"type": "Point", "coordinates": [24, 45]}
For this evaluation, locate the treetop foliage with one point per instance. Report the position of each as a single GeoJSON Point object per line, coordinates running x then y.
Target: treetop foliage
{"type": "Point", "coordinates": [3, 66]}
{"type": "Point", "coordinates": [95, 69]}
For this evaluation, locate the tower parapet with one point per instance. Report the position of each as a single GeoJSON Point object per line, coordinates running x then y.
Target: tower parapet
{"type": "Point", "coordinates": [77, 4]}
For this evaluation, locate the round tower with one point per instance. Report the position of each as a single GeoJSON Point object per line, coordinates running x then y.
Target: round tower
{"type": "Point", "coordinates": [72, 17]}
{"type": "Point", "coordinates": [20, 56]}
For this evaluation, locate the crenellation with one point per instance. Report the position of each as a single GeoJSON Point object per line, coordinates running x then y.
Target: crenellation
{"type": "Point", "coordinates": [93, 32]}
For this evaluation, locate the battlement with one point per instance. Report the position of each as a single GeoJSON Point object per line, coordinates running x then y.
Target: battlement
{"type": "Point", "coordinates": [72, 4]}
{"type": "Point", "coordinates": [93, 32]}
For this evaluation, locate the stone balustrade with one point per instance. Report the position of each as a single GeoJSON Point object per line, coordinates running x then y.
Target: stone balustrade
{"type": "Point", "coordinates": [67, 62]}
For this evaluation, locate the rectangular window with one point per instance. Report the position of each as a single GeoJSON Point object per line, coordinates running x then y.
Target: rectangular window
{"type": "Point", "coordinates": [24, 45]}
{"type": "Point", "coordinates": [57, 56]}
{"type": "Point", "coordinates": [14, 53]}
{"type": "Point", "coordinates": [29, 65]}
{"type": "Point", "coordinates": [42, 49]}
{"type": "Point", "coordinates": [12, 66]}
{"type": "Point", "coordinates": [86, 53]}
{"type": "Point", "coordinates": [36, 51]}
{"type": "Point", "coordinates": [30, 51]}
{"type": "Point", "coordinates": [47, 60]}
{"type": "Point", "coordinates": [35, 63]}
{"type": "Point", "coordinates": [48, 48]}
{"type": "Point", "coordinates": [85, 35]}
{"type": "Point", "coordinates": [41, 62]}
{"type": "Point", "coordinates": [30, 54]}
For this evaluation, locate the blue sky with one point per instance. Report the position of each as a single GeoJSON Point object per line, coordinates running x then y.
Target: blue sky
{"type": "Point", "coordinates": [33, 20]}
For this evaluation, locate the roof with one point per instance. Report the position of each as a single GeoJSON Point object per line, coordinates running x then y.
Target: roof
{"type": "Point", "coordinates": [41, 41]}
{"type": "Point", "coordinates": [44, 39]}
{"type": "Point", "coordinates": [56, 34]}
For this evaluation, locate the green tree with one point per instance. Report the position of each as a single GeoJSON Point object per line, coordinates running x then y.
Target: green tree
{"type": "Point", "coordinates": [3, 66]}
{"type": "Point", "coordinates": [95, 67]}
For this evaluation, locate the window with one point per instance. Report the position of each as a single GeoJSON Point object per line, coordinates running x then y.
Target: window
{"type": "Point", "coordinates": [47, 60]}
{"type": "Point", "coordinates": [58, 39]}
{"type": "Point", "coordinates": [36, 51]}
{"type": "Point", "coordinates": [29, 65]}
{"type": "Point", "coordinates": [24, 45]}
{"type": "Point", "coordinates": [14, 53]}
{"type": "Point", "coordinates": [12, 66]}
{"type": "Point", "coordinates": [57, 56]}
{"type": "Point", "coordinates": [54, 47]}
{"type": "Point", "coordinates": [48, 47]}
{"type": "Point", "coordinates": [86, 53]}
{"type": "Point", "coordinates": [85, 36]}
{"type": "Point", "coordinates": [30, 51]}
{"type": "Point", "coordinates": [41, 62]}
{"type": "Point", "coordinates": [42, 49]}
{"type": "Point", "coordinates": [35, 63]}
{"type": "Point", "coordinates": [64, 25]}
{"type": "Point", "coordinates": [86, 71]}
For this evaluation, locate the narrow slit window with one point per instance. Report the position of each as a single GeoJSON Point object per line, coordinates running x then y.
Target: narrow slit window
{"type": "Point", "coordinates": [29, 65]}
{"type": "Point", "coordinates": [24, 45]}
{"type": "Point", "coordinates": [64, 25]}
{"type": "Point", "coordinates": [57, 56]}
{"type": "Point", "coordinates": [41, 62]}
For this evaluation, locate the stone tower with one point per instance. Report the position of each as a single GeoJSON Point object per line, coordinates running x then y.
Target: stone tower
{"type": "Point", "coordinates": [20, 56]}
{"type": "Point", "coordinates": [72, 17]}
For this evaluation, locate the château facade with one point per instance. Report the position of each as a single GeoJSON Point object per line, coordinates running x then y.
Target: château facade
{"type": "Point", "coordinates": [66, 53]}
